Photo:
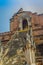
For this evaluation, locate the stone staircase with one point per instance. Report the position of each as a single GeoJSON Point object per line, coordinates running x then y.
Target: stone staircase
{"type": "Point", "coordinates": [13, 51]}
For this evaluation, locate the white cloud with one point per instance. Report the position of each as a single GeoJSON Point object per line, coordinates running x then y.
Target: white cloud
{"type": "Point", "coordinates": [34, 6]}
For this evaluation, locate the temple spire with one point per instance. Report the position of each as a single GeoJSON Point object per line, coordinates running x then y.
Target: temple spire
{"type": "Point", "coordinates": [20, 10]}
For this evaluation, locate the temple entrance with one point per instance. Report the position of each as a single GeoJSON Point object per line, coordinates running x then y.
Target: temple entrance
{"type": "Point", "coordinates": [39, 49]}
{"type": "Point", "coordinates": [25, 24]}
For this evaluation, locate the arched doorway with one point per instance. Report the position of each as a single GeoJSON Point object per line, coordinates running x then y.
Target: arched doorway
{"type": "Point", "coordinates": [24, 24]}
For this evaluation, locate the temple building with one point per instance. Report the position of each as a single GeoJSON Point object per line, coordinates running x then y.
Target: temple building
{"type": "Point", "coordinates": [21, 21]}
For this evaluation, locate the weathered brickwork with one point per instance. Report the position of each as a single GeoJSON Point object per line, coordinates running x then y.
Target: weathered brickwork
{"type": "Point", "coordinates": [37, 27]}
{"type": "Point", "coordinates": [37, 24]}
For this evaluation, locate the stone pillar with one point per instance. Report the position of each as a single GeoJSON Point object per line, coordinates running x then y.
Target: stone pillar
{"type": "Point", "coordinates": [26, 53]}
{"type": "Point", "coordinates": [30, 55]}
{"type": "Point", "coordinates": [33, 56]}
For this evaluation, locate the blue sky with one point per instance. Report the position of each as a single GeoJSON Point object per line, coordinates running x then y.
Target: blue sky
{"type": "Point", "coordinates": [9, 7]}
